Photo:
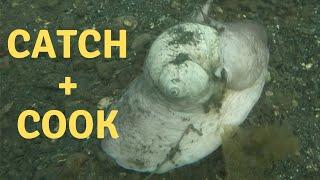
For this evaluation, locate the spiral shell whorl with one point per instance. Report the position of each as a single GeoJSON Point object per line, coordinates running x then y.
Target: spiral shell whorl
{"type": "Point", "coordinates": [181, 59]}
{"type": "Point", "coordinates": [183, 80]}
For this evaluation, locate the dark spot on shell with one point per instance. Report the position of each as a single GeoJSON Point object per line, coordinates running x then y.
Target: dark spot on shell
{"type": "Point", "coordinates": [185, 119]}
{"type": "Point", "coordinates": [180, 59]}
{"type": "Point", "coordinates": [182, 36]}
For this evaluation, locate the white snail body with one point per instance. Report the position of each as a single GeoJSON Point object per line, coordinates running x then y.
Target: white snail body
{"type": "Point", "coordinates": [163, 122]}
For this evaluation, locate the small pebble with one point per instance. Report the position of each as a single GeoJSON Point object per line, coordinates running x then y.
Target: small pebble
{"type": "Point", "coordinates": [218, 9]}
{"type": "Point", "coordinates": [127, 23]}
{"type": "Point", "coordinates": [151, 25]}
{"type": "Point", "coordinates": [104, 103]}
{"type": "Point", "coordinates": [309, 65]}
{"type": "Point", "coordinates": [269, 93]}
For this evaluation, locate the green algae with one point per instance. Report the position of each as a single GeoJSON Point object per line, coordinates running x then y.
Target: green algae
{"type": "Point", "coordinates": [250, 152]}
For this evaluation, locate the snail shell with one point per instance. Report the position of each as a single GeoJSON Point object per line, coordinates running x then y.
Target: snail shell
{"type": "Point", "coordinates": [183, 71]}
{"type": "Point", "coordinates": [243, 53]}
{"type": "Point", "coordinates": [181, 63]}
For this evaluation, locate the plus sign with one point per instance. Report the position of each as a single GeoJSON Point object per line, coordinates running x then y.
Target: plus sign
{"type": "Point", "coordinates": [67, 85]}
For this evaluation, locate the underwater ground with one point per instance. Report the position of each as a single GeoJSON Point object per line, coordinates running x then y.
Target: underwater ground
{"type": "Point", "coordinates": [289, 105]}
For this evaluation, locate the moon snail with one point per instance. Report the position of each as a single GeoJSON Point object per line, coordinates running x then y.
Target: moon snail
{"type": "Point", "coordinates": [164, 121]}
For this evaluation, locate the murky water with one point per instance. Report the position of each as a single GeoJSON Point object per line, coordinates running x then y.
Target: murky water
{"type": "Point", "coordinates": [290, 102]}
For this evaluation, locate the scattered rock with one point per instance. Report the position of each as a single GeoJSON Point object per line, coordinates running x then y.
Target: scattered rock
{"type": "Point", "coordinates": [128, 22]}
{"type": "Point", "coordinates": [269, 93]}
{"type": "Point", "coordinates": [105, 103]}
{"type": "Point", "coordinates": [218, 9]}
